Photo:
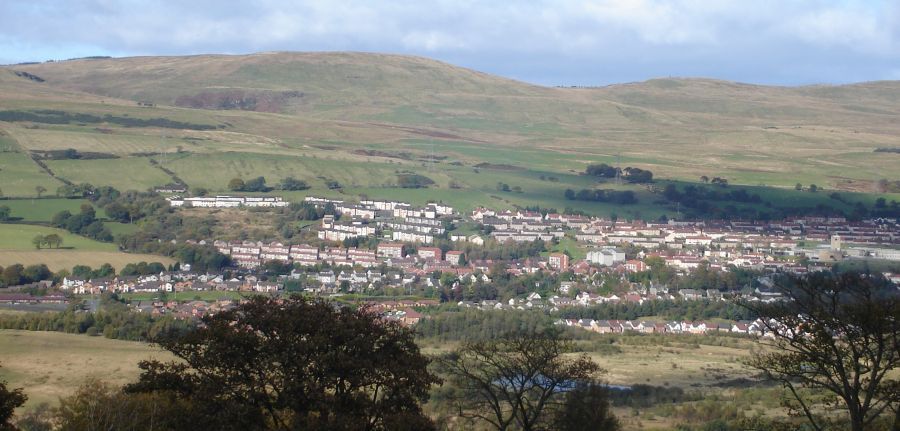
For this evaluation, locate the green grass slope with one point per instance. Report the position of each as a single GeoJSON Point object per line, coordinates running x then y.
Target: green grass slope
{"type": "Point", "coordinates": [362, 118]}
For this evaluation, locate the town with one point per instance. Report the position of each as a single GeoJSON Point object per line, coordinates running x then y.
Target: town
{"type": "Point", "coordinates": [401, 249]}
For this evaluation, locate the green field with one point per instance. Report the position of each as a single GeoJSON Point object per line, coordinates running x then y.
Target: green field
{"type": "Point", "coordinates": [41, 210]}
{"type": "Point", "coordinates": [20, 176]}
{"type": "Point", "coordinates": [52, 364]}
{"type": "Point", "coordinates": [66, 259]}
{"type": "Point", "coordinates": [396, 113]}
{"type": "Point", "coordinates": [14, 237]}
{"type": "Point", "coordinates": [16, 247]}
{"type": "Point", "coordinates": [130, 173]}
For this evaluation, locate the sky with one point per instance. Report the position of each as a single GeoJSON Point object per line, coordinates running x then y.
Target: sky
{"type": "Point", "coordinates": [547, 42]}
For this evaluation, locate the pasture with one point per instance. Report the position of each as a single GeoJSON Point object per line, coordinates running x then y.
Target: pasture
{"type": "Point", "coordinates": [16, 237]}
{"type": "Point", "coordinates": [41, 210]}
{"type": "Point", "coordinates": [130, 173]}
{"type": "Point", "coordinates": [50, 365]}
{"type": "Point", "coordinates": [20, 176]}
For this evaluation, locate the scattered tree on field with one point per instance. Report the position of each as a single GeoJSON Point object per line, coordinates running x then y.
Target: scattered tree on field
{"type": "Point", "coordinates": [53, 240]}
{"type": "Point", "coordinates": [835, 334]}
{"type": "Point", "coordinates": [236, 184]}
{"type": "Point", "coordinates": [518, 381]}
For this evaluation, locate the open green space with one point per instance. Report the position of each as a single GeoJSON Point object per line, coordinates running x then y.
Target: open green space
{"type": "Point", "coordinates": [50, 365]}
{"type": "Point", "coordinates": [130, 173]}
{"type": "Point", "coordinates": [20, 176]}
{"type": "Point", "coordinates": [41, 210]}
{"type": "Point", "coordinates": [15, 237]}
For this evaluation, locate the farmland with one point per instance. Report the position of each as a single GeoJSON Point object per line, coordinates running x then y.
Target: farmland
{"type": "Point", "coordinates": [16, 247]}
{"type": "Point", "coordinates": [53, 364]}
{"type": "Point", "coordinates": [41, 210]}
{"type": "Point", "coordinates": [465, 130]}
{"type": "Point", "coordinates": [18, 237]}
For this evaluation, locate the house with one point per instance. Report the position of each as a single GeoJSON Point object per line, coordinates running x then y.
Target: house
{"type": "Point", "coordinates": [606, 256]}
{"type": "Point", "coordinates": [390, 249]}
{"type": "Point", "coordinates": [636, 266]}
{"type": "Point", "coordinates": [454, 257]}
{"type": "Point", "coordinates": [559, 261]}
{"type": "Point", "coordinates": [432, 253]}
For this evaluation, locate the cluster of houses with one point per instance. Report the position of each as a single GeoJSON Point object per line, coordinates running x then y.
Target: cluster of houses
{"type": "Point", "coordinates": [755, 328]}
{"type": "Point", "coordinates": [365, 219]}
{"type": "Point", "coordinates": [251, 255]}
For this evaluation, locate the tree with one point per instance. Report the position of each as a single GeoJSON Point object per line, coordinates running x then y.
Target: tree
{"type": "Point", "coordinates": [798, 187]}
{"type": "Point", "coordinates": [40, 190]}
{"type": "Point", "coordinates": [516, 381]}
{"type": "Point", "coordinates": [586, 408]}
{"type": "Point", "coordinates": [236, 185]}
{"type": "Point", "coordinates": [53, 240]}
{"type": "Point", "coordinates": [4, 213]}
{"type": "Point", "coordinates": [257, 184]}
{"type": "Point", "coordinates": [38, 241]}
{"type": "Point", "coordinates": [294, 363]}
{"type": "Point", "coordinates": [813, 188]}
{"type": "Point", "coordinates": [10, 400]}
{"type": "Point", "coordinates": [704, 179]}
{"type": "Point", "coordinates": [835, 334]}
{"type": "Point", "coordinates": [290, 183]}
{"type": "Point", "coordinates": [96, 405]}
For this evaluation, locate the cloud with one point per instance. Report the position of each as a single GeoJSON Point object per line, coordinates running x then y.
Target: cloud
{"type": "Point", "coordinates": [544, 41]}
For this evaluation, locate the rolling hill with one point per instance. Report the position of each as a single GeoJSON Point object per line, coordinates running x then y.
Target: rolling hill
{"type": "Point", "coordinates": [312, 115]}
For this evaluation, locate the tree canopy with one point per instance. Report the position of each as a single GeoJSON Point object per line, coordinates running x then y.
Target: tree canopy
{"type": "Point", "coordinates": [837, 335]}
{"type": "Point", "coordinates": [521, 381]}
{"type": "Point", "coordinates": [294, 364]}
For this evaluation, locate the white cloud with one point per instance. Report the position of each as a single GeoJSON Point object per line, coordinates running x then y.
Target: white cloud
{"type": "Point", "coordinates": [665, 36]}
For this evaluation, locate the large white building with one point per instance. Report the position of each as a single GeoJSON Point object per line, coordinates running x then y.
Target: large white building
{"type": "Point", "coordinates": [606, 256]}
{"type": "Point", "coordinates": [228, 202]}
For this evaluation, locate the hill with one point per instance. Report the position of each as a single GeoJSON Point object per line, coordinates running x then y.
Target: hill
{"type": "Point", "coordinates": [360, 119]}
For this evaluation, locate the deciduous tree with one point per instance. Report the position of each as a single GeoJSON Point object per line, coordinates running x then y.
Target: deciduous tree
{"type": "Point", "coordinates": [295, 364]}
{"type": "Point", "coordinates": [518, 381]}
{"type": "Point", "coordinates": [838, 335]}
{"type": "Point", "coordinates": [10, 400]}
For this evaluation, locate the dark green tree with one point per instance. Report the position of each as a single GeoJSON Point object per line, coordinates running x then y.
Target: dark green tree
{"type": "Point", "coordinates": [294, 363]}
{"type": "Point", "coordinates": [837, 335]}
{"type": "Point", "coordinates": [586, 408]}
{"type": "Point", "coordinates": [10, 400]}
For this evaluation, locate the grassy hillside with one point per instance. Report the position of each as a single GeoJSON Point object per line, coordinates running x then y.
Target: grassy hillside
{"type": "Point", "coordinates": [360, 119]}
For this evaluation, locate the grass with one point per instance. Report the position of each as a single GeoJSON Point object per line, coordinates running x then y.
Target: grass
{"type": "Point", "coordinates": [50, 365]}
{"type": "Point", "coordinates": [65, 259]}
{"type": "Point", "coordinates": [17, 237]}
{"type": "Point", "coordinates": [130, 173]}
{"type": "Point", "coordinates": [679, 129]}
{"type": "Point", "coordinates": [20, 176]}
{"type": "Point", "coordinates": [16, 247]}
{"type": "Point", "coordinates": [41, 210]}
